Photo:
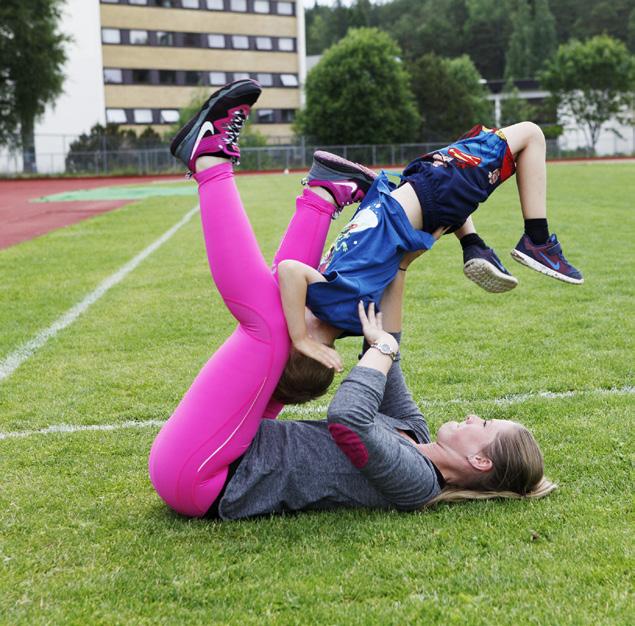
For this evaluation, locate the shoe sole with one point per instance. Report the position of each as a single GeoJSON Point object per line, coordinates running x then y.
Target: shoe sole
{"type": "Point", "coordinates": [331, 164]}
{"type": "Point", "coordinates": [527, 261]}
{"type": "Point", "coordinates": [190, 129]}
{"type": "Point", "coordinates": [488, 277]}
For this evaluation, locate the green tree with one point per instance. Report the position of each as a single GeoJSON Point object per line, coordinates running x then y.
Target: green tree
{"type": "Point", "coordinates": [631, 31]}
{"type": "Point", "coordinates": [533, 39]}
{"type": "Point", "coordinates": [544, 39]}
{"type": "Point", "coordinates": [591, 81]}
{"type": "Point", "coordinates": [519, 62]}
{"type": "Point", "coordinates": [31, 59]}
{"type": "Point", "coordinates": [450, 96]}
{"type": "Point", "coordinates": [359, 93]}
{"type": "Point", "coordinates": [420, 27]}
{"type": "Point", "coordinates": [486, 35]}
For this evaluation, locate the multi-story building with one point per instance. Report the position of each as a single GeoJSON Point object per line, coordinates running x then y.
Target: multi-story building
{"type": "Point", "coordinates": [137, 62]}
{"type": "Point", "coordinates": [158, 54]}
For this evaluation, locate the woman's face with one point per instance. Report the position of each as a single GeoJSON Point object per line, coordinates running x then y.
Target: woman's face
{"type": "Point", "coordinates": [471, 435]}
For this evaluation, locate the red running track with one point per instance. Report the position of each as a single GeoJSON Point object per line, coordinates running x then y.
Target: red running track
{"type": "Point", "coordinates": [21, 219]}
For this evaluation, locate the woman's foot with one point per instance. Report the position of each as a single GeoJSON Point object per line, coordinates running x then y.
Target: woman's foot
{"type": "Point", "coordinates": [345, 181]}
{"type": "Point", "coordinates": [214, 131]}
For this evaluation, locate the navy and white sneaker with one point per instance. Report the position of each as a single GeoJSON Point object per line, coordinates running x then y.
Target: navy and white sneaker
{"type": "Point", "coordinates": [546, 258]}
{"type": "Point", "coordinates": [482, 266]}
{"type": "Point", "coordinates": [215, 129]}
{"type": "Point", "coordinates": [346, 181]}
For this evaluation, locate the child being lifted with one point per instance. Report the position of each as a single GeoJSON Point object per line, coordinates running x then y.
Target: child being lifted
{"type": "Point", "coordinates": [439, 192]}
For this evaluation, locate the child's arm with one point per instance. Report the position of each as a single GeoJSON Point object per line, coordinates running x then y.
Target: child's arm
{"type": "Point", "coordinates": [294, 278]}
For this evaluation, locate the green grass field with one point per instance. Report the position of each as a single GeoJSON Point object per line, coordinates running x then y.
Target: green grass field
{"type": "Point", "coordinates": [85, 540]}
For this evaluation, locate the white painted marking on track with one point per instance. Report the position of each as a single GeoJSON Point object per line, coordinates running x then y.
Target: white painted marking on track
{"type": "Point", "coordinates": [21, 354]}
{"type": "Point", "coordinates": [321, 410]}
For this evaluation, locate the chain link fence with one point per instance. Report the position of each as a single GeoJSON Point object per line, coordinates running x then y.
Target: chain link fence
{"type": "Point", "coordinates": [158, 160]}
{"type": "Point", "coordinates": [113, 159]}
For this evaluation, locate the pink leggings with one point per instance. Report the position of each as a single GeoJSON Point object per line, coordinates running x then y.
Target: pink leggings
{"type": "Point", "coordinates": [219, 415]}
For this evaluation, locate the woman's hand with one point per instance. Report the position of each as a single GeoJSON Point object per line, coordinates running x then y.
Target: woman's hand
{"type": "Point", "coordinates": [329, 357]}
{"type": "Point", "coordinates": [372, 327]}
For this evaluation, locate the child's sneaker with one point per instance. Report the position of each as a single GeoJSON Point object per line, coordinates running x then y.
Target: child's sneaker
{"type": "Point", "coordinates": [546, 258]}
{"type": "Point", "coordinates": [215, 129]}
{"type": "Point", "coordinates": [346, 181]}
{"type": "Point", "coordinates": [482, 266]}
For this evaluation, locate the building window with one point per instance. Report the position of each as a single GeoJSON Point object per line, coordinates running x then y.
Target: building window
{"type": "Point", "coordinates": [116, 116]}
{"type": "Point", "coordinates": [265, 116]}
{"type": "Point", "coordinates": [139, 37]}
{"type": "Point", "coordinates": [169, 116]}
{"type": "Point", "coordinates": [142, 2]}
{"type": "Point", "coordinates": [193, 78]}
{"type": "Point", "coordinates": [285, 8]}
{"type": "Point", "coordinates": [286, 44]}
{"type": "Point", "coordinates": [238, 5]}
{"type": "Point", "coordinates": [266, 80]}
{"type": "Point", "coordinates": [141, 76]}
{"type": "Point", "coordinates": [240, 42]}
{"type": "Point", "coordinates": [192, 40]}
{"type": "Point", "coordinates": [217, 78]}
{"type": "Point", "coordinates": [215, 5]}
{"type": "Point", "coordinates": [143, 116]}
{"type": "Point", "coordinates": [264, 43]}
{"type": "Point", "coordinates": [289, 80]}
{"type": "Point", "coordinates": [113, 76]}
{"type": "Point", "coordinates": [110, 1]}
{"type": "Point", "coordinates": [110, 35]}
{"type": "Point", "coordinates": [241, 75]}
{"type": "Point", "coordinates": [287, 116]}
{"type": "Point", "coordinates": [216, 41]}
{"type": "Point", "coordinates": [261, 6]}
{"type": "Point", "coordinates": [167, 77]}
{"type": "Point", "coordinates": [190, 4]}
{"type": "Point", "coordinates": [164, 38]}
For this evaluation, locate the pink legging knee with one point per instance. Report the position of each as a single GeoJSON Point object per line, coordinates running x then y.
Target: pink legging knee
{"type": "Point", "coordinates": [219, 415]}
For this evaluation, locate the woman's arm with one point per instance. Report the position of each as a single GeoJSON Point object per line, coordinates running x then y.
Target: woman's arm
{"type": "Point", "coordinates": [294, 278]}
{"type": "Point", "coordinates": [391, 464]}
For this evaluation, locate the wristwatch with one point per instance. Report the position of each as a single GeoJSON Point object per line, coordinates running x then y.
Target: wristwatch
{"type": "Point", "coordinates": [384, 348]}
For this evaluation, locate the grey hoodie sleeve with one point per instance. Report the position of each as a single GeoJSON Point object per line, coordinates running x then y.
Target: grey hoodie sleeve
{"type": "Point", "coordinates": [392, 464]}
{"type": "Point", "coordinates": [397, 401]}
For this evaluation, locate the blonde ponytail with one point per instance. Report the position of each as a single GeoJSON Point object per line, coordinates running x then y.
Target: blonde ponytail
{"type": "Point", "coordinates": [458, 494]}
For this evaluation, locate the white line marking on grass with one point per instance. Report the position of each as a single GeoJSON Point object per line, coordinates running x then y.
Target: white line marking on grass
{"type": "Point", "coordinates": [69, 428]}
{"type": "Point", "coordinates": [321, 410]}
{"type": "Point", "coordinates": [19, 356]}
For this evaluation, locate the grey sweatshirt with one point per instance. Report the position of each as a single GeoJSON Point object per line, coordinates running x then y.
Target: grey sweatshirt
{"type": "Point", "coordinates": [297, 465]}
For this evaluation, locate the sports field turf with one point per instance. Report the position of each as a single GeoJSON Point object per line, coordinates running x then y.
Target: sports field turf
{"type": "Point", "coordinates": [85, 540]}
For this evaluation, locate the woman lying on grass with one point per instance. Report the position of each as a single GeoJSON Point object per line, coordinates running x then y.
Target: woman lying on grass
{"type": "Point", "coordinates": [218, 456]}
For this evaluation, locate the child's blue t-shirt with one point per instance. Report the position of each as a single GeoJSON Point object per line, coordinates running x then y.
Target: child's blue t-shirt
{"type": "Point", "coordinates": [364, 258]}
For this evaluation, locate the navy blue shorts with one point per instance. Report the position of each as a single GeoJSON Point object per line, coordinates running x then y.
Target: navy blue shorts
{"type": "Point", "coordinates": [451, 182]}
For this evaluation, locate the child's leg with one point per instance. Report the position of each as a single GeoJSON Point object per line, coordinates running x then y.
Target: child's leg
{"type": "Point", "coordinates": [536, 249]}
{"type": "Point", "coordinates": [219, 415]}
{"type": "Point", "coordinates": [527, 143]}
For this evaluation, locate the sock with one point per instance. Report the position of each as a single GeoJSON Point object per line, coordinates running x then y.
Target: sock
{"type": "Point", "coordinates": [471, 240]}
{"type": "Point", "coordinates": [537, 230]}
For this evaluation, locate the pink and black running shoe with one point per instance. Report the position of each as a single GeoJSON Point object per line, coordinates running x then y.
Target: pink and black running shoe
{"type": "Point", "coordinates": [346, 181]}
{"type": "Point", "coordinates": [215, 129]}
{"type": "Point", "coordinates": [546, 258]}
